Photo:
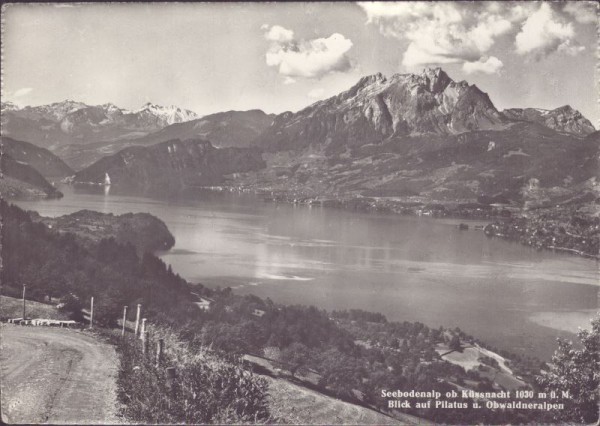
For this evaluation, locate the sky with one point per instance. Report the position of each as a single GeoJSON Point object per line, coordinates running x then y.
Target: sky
{"type": "Point", "coordinates": [211, 57]}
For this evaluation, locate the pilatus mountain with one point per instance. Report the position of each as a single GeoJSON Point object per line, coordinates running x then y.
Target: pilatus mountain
{"type": "Point", "coordinates": [377, 109]}
{"type": "Point", "coordinates": [431, 137]}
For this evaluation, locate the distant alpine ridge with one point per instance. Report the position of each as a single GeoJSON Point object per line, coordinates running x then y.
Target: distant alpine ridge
{"type": "Point", "coordinates": [171, 166]}
{"type": "Point", "coordinates": [223, 129]}
{"type": "Point", "coordinates": [564, 119]}
{"type": "Point", "coordinates": [71, 122]}
{"type": "Point", "coordinates": [409, 135]}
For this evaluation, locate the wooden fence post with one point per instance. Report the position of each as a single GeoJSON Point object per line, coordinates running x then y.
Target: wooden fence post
{"type": "Point", "coordinates": [159, 351]}
{"type": "Point", "coordinates": [24, 300]}
{"type": "Point", "coordinates": [145, 342]}
{"type": "Point", "coordinates": [137, 319]}
{"type": "Point", "coordinates": [92, 312]}
{"type": "Point", "coordinates": [171, 384]}
{"type": "Point", "coordinates": [124, 321]}
{"type": "Point", "coordinates": [143, 327]}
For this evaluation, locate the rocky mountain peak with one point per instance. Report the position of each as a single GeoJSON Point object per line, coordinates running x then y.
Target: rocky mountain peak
{"type": "Point", "coordinates": [436, 79]}
{"type": "Point", "coordinates": [169, 114]}
{"type": "Point", "coordinates": [67, 105]}
{"type": "Point", "coordinates": [372, 79]}
{"type": "Point", "coordinates": [111, 108]}
{"type": "Point", "coordinates": [375, 80]}
{"type": "Point", "coordinates": [151, 106]}
{"type": "Point", "coordinates": [567, 109]}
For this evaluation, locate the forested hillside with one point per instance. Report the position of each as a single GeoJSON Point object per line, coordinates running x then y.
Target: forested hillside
{"type": "Point", "coordinates": [58, 265]}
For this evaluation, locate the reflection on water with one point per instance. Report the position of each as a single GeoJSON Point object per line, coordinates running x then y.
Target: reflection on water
{"type": "Point", "coordinates": [414, 269]}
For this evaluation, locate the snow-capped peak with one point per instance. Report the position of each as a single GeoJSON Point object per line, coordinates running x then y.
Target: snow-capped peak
{"type": "Point", "coordinates": [110, 106]}
{"type": "Point", "coordinates": [170, 114]}
{"type": "Point", "coordinates": [9, 106]}
{"type": "Point", "coordinates": [57, 110]}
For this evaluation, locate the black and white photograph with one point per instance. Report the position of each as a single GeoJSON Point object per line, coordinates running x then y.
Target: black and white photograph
{"type": "Point", "coordinates": [306, 213]}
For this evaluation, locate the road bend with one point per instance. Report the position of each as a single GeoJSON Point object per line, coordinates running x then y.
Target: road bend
{"type": "Point", "coordinates": [56, 376]}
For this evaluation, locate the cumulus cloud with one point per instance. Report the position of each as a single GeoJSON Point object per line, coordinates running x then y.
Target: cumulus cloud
{"type": "Point", "coordinates": [570, 48]}
{"type": "Point", "coordinates": [441, 32]}
{"type": "Point", "coordinates": [277, 33]}
{"type": "Point", "coordinates": [521, 11]}
{"type": "Point", "coordinates": [584, 12]}
{"type": "Point", "coordinates": [316, 93]}
{"type": "Point", "coordinates": [544, 33]}
{"type": "Point", "coordinates": [22, 92]}
{"type": "Point", "coordinates": [466, 32]}
{"type": "Point", "coordinates": [489, 65]}
{"type": "Point", "coordinates": [306, 58]}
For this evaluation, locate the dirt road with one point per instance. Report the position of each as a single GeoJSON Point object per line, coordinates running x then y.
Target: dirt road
{"type": "Point", "coordinates": [53, 375]}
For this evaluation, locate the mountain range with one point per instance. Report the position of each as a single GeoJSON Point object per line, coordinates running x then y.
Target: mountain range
{"type": "Point", "coordinates": [223, 129]}
{"type": "Point", "coordinates": [71, 122]}
{"type": "Point", "coordinates": [417, 135]}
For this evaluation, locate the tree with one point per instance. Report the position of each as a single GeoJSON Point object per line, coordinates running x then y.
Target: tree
{"type": "Point", "coordinates": [576, 371]}
{"type": "Point", "coordinates": [455, 343]}
{"type": "Point", "coordinates": [340, 373]}
{"type": "Point", "coordinates": [107, 310]}
{"type": "Point", "coordinates": [297, 355]}
{"type": "Point", "coordinates": [72, 305]}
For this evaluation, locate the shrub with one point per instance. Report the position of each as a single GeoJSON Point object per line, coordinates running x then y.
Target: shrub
{"type": "Point", "coordinates": [207, 389]}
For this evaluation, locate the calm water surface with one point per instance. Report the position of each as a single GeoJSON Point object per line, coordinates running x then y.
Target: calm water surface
{"type": "Point", "coordinates": [414, 269]}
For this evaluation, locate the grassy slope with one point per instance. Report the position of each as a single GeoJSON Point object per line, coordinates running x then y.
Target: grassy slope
{"type": "Point", "coordinates": [469, 360]}
{"type": "Point", "coordinates": [13, 308]}
{"type": "Point", "coordinates": [299, 405]}
{"type": "Point", "coordinates": [293, 403]}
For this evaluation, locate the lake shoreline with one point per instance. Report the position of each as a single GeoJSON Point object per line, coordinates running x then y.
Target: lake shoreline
{"type": "Point", "coordinates": [408, 268]}
{"type": "Point", "coordinates": [570, 322]}
{"type": "Point", "coordinates": [493, 214]}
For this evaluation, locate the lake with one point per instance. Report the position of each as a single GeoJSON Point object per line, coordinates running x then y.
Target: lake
{"type": "Point", "coordinates": [408, 268]}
